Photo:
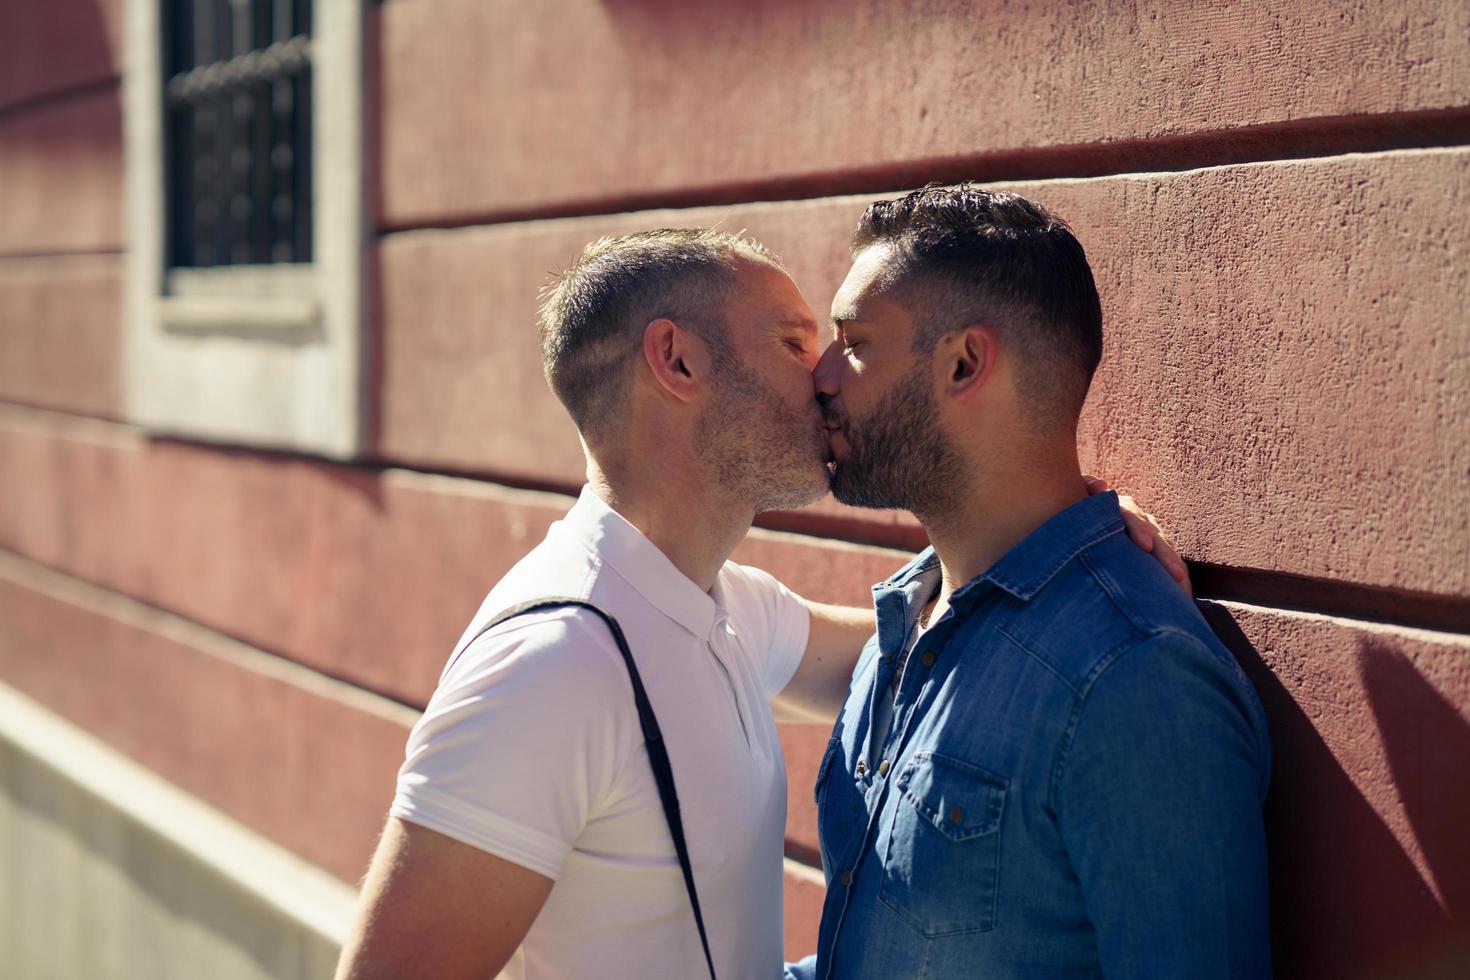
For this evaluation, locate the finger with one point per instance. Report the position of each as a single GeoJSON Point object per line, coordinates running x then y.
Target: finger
{"type": "Point", "coordinates": [1173, 563]}
{"type": "Point", "coordinates": [1161, 534]}
{"type": "Point", "coordinates": [1140, 530]}
{"type": "Point", "coordinates": [1183, 579]}
{"type": "Point", "coordinates": [1094, 484]}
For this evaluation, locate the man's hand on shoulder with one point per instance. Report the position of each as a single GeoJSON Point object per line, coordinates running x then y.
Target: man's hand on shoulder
{"type": "Point", "coordinates": [432, 906]}
{"type": "Point", "coordinates": [1145, 532]}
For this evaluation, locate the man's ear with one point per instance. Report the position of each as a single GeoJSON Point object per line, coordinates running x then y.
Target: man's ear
{"type": "Point", "coordinates": [968, 357]}
{"type": "Point", "coordinates": [676, 358]}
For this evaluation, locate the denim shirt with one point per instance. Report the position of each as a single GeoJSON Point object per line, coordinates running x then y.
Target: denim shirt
{"type": "Point", "coordinates": [1070, 786]}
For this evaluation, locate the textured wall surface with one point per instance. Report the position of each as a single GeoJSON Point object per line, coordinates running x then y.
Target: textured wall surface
{"type": "Point", "coordinates": [61, 317]}
{"type": "Point", "coordinates": [56, 48]}
{"type": "Point", "coordinates": [1271, 195]}
{"type": "Point", "coordinates": [773, 91]}
{"type": "Point", "coordinates": [61, 175]}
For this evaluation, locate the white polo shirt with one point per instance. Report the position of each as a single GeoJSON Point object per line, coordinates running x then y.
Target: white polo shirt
{"type": "Point", "coordinates": [530, 750]}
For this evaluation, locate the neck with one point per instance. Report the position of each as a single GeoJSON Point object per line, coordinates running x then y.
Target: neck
{"type": "Point", "coordinates": [1002, 507]}
{"type": "Point", "coordinates": [677, 508]}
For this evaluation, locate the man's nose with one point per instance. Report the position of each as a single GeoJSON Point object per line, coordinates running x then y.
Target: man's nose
{"type": "Point", "coordinates": [825, 375]}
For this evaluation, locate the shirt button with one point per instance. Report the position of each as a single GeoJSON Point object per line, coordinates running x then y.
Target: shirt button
{"type": "Point", "coordinates": [846, 878]}
{"type": "Point", "coordinates": [928, 658]}
{"type": "Point", "coordinates": [888, 659]}
{"type": "Point", "coordinates": [883, 768]}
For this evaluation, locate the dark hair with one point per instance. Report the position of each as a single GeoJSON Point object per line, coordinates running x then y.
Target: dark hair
{"type": "Point", "coordinates": [593, 314]}
{"type": "Point", "coordinates": [963, 254]}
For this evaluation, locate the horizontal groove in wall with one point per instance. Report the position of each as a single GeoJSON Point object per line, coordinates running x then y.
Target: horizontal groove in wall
{"type": "Point", "coordinates": [1258, 587]}
{"type": "Point", "coordinates": [799, 853]}
{"type": "Point", "coordinates": [65, 424]}
{"type": "Point", "coordinates": [903, 537]}
{"type": "Point", "coordinates": [1264, 143]}
{"type": "Point", "coordinates": [1300, 593]}
{"type": "Point", "coordinates": [804, 871]}
{"type": "Point", "coordinates": [81, 418]}
{"type": "Point", "coordinates": [808, 525]}
{"type": "Point", "coordinates": [73, 254]}
{"type": "Point", "coordinates": [63, 586]}
{"type": "Point", "coordinates": [45, 100]}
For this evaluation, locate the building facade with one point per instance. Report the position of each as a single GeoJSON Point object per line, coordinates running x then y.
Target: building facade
{"type": "Point", "coordinates": [272, 418]}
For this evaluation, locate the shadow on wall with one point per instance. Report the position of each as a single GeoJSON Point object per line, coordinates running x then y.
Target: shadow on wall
{"type": "Point", "coordinates": [49, 48]}
{"type": "Point", "coordinates": [1347, 899]}
{"type": "Point", "coordinates": [1427, 743]}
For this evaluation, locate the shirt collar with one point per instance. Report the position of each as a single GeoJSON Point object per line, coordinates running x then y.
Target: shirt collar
{"type": "Point", "coordinates": [1026, 568]}
{"type": "Point", "coordinates": [621, 546]}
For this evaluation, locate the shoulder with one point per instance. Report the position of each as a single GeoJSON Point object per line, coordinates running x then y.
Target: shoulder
{"type": "Point", "coordinates": [564, 648]}
{"type": "Point", "coordinates": [1109, 599]}
{"type": "Point", "coordinates": [1177, 677]}
{"type": "Point", "coordinates": [739, 582]}
{"type": "Point", "coordinates": [755, 597]}
{"type": "Point", "coordinates": [1172, 696]}
{"type": "Point", "coordinates": [1167, 655]}
{"type": "Point", "coordinates": [552, 678]}
{"type": "Point", "coordinates": [559, 566]}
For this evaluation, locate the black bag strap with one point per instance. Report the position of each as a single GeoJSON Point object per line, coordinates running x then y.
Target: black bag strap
{"type": "Point", "coordinates": [658, 756]}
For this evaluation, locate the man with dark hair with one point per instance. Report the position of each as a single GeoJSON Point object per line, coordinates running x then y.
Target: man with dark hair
{"type": "Point", "coordinates": [1047, 765]}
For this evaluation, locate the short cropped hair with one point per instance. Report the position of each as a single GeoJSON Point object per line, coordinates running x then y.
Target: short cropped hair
{"type": "Point", "coordinates": [593, 314]}
{"type": "Point", "coordinates": [963, 254]}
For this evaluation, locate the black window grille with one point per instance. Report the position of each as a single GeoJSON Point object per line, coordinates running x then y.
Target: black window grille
{"type": "Point", "coordinates": [238, 130]}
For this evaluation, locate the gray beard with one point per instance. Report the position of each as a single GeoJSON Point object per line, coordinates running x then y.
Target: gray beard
{"type": "Point", "coordinates": [758, 448]}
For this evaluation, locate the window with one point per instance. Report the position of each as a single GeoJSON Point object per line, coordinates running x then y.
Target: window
{"type": "Point", "coordinates": [238, 97]}
{"type": "Point", "coordinates": [245, 221]}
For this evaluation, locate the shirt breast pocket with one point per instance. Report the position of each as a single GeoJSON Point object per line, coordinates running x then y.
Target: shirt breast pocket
{"type": "Point", "coordinates": [941, 869]}
{"type": "Point", "coordinates": [838, 805]}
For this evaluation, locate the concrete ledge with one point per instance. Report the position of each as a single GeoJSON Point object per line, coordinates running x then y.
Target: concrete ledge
{"type": "Point", "coordinates": [106, 870]}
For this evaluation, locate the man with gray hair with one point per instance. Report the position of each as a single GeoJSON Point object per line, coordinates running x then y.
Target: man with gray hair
{"type": "Point", "coordinates": [528, 833]}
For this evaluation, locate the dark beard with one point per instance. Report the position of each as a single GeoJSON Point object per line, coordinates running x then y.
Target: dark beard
{"type": "Point", "coordinates": [897, 456]}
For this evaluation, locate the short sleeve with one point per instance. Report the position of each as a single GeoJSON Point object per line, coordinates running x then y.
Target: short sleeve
{"type": "Point", "coordinates": [521, 742]}
{"type": "Point", "coordinates": [772, 617]}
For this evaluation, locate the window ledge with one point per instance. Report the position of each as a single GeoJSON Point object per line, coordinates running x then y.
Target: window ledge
{"type": "Point", "coordinates": [268, 315]}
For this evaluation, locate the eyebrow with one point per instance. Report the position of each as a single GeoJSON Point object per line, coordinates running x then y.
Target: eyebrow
{"type": "Point", "coordinates": [799, 323]}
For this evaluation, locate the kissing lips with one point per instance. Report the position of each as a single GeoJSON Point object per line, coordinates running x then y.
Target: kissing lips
{"type": "Point", "coordinates": [833, 431]}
